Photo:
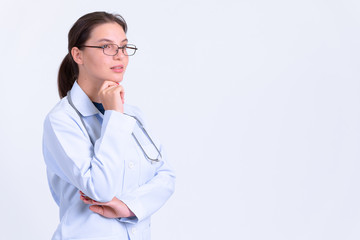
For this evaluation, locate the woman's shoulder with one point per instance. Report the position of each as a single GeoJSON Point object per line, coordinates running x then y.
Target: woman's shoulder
{"type": "Point", "coordinates": [61, 111]}
{"type": "Point", "coordinates": [134, 111]}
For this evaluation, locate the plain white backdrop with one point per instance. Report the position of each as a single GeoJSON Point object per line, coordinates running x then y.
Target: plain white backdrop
{"type": "Point", "coordinates": [256, 101]}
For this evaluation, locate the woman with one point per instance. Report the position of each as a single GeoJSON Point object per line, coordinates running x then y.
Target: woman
{"type": "Point", "coordinates": [97, 149]}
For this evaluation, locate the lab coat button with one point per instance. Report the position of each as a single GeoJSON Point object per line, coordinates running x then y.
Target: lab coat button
{"type": "Point", "coordinates": [131, 164]}
{"type": "Point", "coordinates": [133, 230]}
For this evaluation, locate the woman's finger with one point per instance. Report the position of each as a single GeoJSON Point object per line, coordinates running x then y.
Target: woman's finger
{"type": "Point", "coordinates": [86, 200]}
{"type": "Point", "coordinates": [113, 90]}
{"type": "Point", "coordinates": [122, 95]}
{"type": "Point", "coordinates": [107, 84]}
{"type": "Point", "coordinates": [97, 209]}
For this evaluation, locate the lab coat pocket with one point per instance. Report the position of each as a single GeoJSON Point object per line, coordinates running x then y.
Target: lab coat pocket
{"type": "Point", "coordinates": [149, 167]}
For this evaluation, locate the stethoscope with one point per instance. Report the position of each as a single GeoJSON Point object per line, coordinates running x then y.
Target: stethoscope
{"type": "Point", "coordinates": [157, 159]}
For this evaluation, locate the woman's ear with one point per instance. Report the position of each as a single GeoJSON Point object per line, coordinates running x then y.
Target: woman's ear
{"type": "Point", "coordinates": [77, 55]}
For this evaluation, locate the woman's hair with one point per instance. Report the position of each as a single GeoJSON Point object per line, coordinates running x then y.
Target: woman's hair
{"type": "Point", "coordinates": [78, 35]}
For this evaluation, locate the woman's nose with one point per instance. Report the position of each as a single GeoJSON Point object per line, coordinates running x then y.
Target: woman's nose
{"type": "Point", "coordinates": [120, 54]}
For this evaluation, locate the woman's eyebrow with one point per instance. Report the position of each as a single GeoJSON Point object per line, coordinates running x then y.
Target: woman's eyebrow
{"type": "Point", "coordinates": [104, 40]}
{"type": "Point", "coordinates": [108, 40]}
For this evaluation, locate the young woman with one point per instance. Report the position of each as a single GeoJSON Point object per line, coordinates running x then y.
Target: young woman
{"type": "Point", "coordinates": [97, 149]}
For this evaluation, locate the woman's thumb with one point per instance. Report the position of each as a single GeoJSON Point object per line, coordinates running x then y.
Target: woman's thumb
{"type": "Point", "coordinates": [97, 209]}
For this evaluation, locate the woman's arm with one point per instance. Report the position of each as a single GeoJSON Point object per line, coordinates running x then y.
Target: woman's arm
{"type": "Point", "coordinates": [154, 191]}
{"type": "Point", "coordinates": [141, 203]}
{"type": "Point", "coordinates": [68, 152]}
{"type": "Point", "coordinates": [94, 169]}
{"type": "Point", "coordinates": [146, 199]}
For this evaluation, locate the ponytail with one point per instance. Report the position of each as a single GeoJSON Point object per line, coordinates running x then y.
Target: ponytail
{"type": "Point", "coordinates": [68, 72]}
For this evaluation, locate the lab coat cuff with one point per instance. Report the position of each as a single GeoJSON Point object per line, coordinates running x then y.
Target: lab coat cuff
{"type": "Point", "coordinates": [120, 121]}
{"type": "Point", "coordinates": [136, 208]}
{"type": "Point", "coordinates": [132, 220]}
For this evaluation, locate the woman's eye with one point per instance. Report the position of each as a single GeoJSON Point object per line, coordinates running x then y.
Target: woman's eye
{"type": "Point", "coordinates": [106, 46]}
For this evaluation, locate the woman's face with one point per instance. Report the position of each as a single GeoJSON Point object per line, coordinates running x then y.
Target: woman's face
{"type": "Point", "coordinates": [97, 67]}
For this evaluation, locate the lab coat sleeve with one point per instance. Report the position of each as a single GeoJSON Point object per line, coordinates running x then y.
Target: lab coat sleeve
{"type": "Point", "coordinates": [150, 197]}
{"type": "Point", "coordinates": [95, 170]}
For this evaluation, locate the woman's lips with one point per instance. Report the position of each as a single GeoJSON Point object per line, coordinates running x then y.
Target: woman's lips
{"type": "Point", "coordinates": [118, 68]}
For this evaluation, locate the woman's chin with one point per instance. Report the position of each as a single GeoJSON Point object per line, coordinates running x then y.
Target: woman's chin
{"type": "Point", "coordinates": [118, 79]}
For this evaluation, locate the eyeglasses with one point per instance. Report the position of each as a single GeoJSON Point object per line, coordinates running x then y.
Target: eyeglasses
{"type": "Point", "coordinates": [150, 148]}
{"type": "Point", "coordinates": [113, 49]}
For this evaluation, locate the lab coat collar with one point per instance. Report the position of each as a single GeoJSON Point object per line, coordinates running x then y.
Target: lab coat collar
{"type": "Point", "coordinates": [82, 102]}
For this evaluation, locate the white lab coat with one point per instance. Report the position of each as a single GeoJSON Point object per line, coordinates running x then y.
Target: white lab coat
{"type": "Point", "coordinates": [114, 166]}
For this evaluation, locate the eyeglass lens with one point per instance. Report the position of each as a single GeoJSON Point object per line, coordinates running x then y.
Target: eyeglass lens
{"type": "Point", "coordinates": [112, 49]}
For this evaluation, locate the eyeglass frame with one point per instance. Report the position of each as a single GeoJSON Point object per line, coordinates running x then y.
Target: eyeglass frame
{"type": "Point", "coordinates": [132, 46]}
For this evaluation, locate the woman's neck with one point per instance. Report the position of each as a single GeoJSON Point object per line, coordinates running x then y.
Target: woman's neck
{"type": "Point", "coordinates": [89, 88]}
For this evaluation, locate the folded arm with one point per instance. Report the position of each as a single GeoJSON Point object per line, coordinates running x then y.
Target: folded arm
{"type": "Point", "coordinates": [95, 170]}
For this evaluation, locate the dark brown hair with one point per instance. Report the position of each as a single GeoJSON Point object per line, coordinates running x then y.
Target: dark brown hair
{"type": "Point", "coordinates": [78, 35]}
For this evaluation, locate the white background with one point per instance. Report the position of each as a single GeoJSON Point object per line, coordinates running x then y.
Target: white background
{"type": "Point", "coordinates": [256, 101]}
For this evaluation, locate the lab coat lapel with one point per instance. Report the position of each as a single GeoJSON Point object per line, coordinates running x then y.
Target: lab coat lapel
{"type": "Point", "coordinates": [82, 102]}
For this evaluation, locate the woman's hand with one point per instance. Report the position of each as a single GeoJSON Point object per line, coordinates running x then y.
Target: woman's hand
{"type": "Point", "coordinates": [113, 209]}
{"type": "Point", "coordinates": [112, 96]}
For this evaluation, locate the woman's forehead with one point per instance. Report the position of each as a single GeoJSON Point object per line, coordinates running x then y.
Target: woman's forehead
{"type": "Point", "coordinates": [109, 32]}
